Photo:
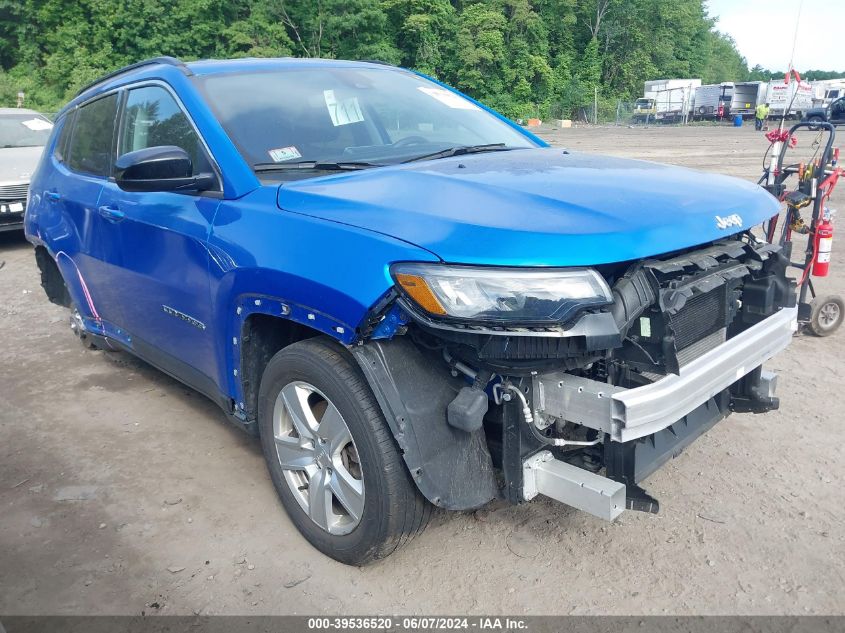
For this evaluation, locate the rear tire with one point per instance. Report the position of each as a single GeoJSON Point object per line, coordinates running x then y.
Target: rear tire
{"type": "Point", "coordinates": [365, 504]}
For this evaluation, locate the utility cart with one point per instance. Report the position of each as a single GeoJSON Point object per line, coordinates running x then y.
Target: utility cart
{"type": "Point", "coordinates": [806, 188]}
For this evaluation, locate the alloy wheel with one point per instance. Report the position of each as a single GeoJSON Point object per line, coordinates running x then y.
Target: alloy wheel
{"type": "Point", "coordinates": [318, 457]}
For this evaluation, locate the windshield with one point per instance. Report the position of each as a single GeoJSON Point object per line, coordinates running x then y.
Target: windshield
{"type": "Point", "coordinates": [360, 116]}
{"type": "Point", "coordinates": [24, 130]}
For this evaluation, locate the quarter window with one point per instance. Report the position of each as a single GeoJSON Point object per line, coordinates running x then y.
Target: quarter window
{"type": "Point", "coordinates": [154, 118]}
{"type": "Point", "coordinates": [93, 133]}
{"type": "Point", "coordinates": [61, 149]}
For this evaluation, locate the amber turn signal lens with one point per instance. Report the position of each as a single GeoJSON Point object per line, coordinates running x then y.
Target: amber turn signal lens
{"type": "Point", "coordinates": [419, 291]}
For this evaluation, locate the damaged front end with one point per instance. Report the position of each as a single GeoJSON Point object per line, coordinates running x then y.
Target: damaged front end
{"type": "Point", "coordinates": [575, 383]}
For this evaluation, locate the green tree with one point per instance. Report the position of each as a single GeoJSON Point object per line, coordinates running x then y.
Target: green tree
{"type": "Point", "coordinates": [724, 63]}
{"type": "Point", "coordinates": [524, 57]}
{"type": "Point", "coordinates": [258, 30]}
{"type": "Point", "coordinates": [423, 32]}
{"type": "Point", "coordinates": [480, 39]}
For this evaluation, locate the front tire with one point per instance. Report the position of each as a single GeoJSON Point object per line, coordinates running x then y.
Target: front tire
{"type": "Point", "coordinates": [332, 457]}
{"type": "Point", "coordinates": [815, 122]}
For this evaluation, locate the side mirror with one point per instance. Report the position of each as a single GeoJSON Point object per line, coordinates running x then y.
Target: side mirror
{"type": "Point", "coordinates": [163, 168]}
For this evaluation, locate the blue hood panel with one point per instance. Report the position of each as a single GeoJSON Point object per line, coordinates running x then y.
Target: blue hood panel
{"type": "Point", "coordinates": [537, 207]}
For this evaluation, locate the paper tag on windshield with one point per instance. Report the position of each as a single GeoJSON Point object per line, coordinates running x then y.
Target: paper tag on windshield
{"type": "Point", "coordinates": [284, 153]}
{"type": "Point", "coordinates": [36, 125]}
{"type": "Point", "coordinates": [343, 111]}
{"type": "Point", "coordinates": [449, 98]}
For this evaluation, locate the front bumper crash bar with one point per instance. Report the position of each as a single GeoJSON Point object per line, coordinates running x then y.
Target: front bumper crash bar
{"type": "Point", "coordinates": [579, 488]}
{"type": "Point", "coordinates": [628, 414]}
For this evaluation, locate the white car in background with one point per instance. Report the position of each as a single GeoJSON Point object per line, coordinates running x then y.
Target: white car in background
{"type": "Point", "coordinates": [23, 134]}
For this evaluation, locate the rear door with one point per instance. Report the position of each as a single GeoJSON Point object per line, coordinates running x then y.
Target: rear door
{"type": "Point", "coordinates": [87, 244]}
{"type": "Point", "coordinates": [163, 284]}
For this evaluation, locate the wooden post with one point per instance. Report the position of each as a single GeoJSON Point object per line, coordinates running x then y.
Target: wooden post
{"type": "Point", "coordinates": [596, 105]}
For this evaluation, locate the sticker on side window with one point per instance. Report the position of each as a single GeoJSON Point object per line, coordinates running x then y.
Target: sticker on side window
{"type": "Point", "coordinates": [342, 111]}
{"type": "Point", "coordinates": [284, 153]}
{"type": "Point", "coordinates": [448, 98]}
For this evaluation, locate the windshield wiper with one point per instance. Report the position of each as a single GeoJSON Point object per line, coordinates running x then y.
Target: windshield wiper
{"type": "Point", "coordinates": [460, 150]}
{"type": "Point", "coordinates": [318, 165]}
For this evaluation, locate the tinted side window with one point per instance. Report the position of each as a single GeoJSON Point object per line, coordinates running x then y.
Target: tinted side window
{"type": "Point", "coordinates": [91, 142]}
{"type": "Point", "coordinates": [153, 118]}
{"type": "Point", "coordinates": [62, 148]}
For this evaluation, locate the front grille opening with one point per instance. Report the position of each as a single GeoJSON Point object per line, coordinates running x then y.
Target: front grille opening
{"type": "Point", "coordinates": [13, 192]}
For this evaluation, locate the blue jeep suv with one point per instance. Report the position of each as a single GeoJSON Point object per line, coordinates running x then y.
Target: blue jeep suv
{"type": "Point", "coordinates": [412, 301]}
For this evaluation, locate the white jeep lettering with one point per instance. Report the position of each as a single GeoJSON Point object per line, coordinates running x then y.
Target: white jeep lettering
{"type": "Point", "coordinates": [730, 220]}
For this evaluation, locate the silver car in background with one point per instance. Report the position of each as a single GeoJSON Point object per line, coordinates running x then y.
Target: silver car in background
{"type": "Point", "coordinates": [23, 134]}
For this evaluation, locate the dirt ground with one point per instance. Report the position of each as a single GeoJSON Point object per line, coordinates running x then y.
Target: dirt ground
{"type": "Point", "coordinates": [123, 492]}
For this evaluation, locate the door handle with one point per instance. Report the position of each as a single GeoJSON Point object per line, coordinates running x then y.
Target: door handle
{"type": "Point", "coordinates": [53, 196]}
{"type": "Point", "coordinates": [111, 213]}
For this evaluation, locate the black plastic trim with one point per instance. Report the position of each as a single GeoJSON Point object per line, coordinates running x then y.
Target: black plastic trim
{"type": "Point", "coordinates": [632, 462]}
{"type": "Point", "coordinates": [452, 468]}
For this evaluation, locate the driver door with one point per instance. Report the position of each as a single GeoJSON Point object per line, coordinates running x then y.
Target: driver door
{"type": "Point", "coordinates": [162, 282]}
{"type": "Point", "coordinates": [837, 111]}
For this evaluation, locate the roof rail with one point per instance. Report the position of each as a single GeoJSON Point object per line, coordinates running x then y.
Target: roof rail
{"type": "Point", "coordinates": [376, 61]}
{"type": "Point", "coordinates": [166, 60]}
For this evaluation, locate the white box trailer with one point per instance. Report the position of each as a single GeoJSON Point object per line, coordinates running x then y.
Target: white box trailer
{"type": "Point", "coordinates": [747, 96]}
{"type": "Point", "coordinates": [790, 99]}
{"type": "Point", "coordinates": [826, 91]}
{"type": "Point", "coordinates": [673, 98]}
{"type": "Point", "coordinates": [713, 100]}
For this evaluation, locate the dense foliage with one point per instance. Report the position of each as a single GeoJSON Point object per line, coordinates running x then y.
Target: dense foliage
{"type": "Point", "coordinates": [524, 57]}
{"type": "Point", "coordinates": [758, 73]}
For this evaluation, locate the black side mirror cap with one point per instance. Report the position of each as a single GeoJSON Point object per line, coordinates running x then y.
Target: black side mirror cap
{"type": "Point", "coordinates": [161, 168]}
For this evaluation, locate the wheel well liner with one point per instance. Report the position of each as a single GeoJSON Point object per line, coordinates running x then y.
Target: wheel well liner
{"type": "Point", "coordinates": [451, 467]}
{"type": "Point", "coordinates": [51, 278]}
{"type": "Point", "coordinates": [262, 336]}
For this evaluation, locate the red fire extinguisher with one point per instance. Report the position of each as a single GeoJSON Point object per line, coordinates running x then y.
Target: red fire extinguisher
{"type": "Point", "coordinates": [823, 244]}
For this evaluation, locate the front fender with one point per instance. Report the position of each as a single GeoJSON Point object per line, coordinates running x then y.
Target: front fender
{"type": "Point", "coordinates": [322, 274]}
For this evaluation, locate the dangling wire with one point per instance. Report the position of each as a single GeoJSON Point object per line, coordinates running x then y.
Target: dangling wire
{"type": "Point", "coordinates": [791, 67]}
{"type": "Point", "coordinates": [795, 37]}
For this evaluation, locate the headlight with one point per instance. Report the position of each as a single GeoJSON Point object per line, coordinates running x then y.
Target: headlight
{"type": "Point", "coordinates": [513, 295]}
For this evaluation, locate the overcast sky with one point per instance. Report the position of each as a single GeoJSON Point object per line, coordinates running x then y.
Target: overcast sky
{"type": "Point", "coordinates": [764, 30]}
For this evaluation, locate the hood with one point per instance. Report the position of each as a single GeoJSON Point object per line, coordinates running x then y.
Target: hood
{"type": "Point", "coordinates": [18, 163]}
{"type": "Point", "coordinates": [536, 207]}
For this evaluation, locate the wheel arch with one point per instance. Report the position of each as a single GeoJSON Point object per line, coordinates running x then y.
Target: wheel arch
{"type": "Point", "coordinates": [52, 281]}
{"type": "Point", "coordinates": [254, 325]}
{"type": "Point", "coordinates": [262, 336]}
